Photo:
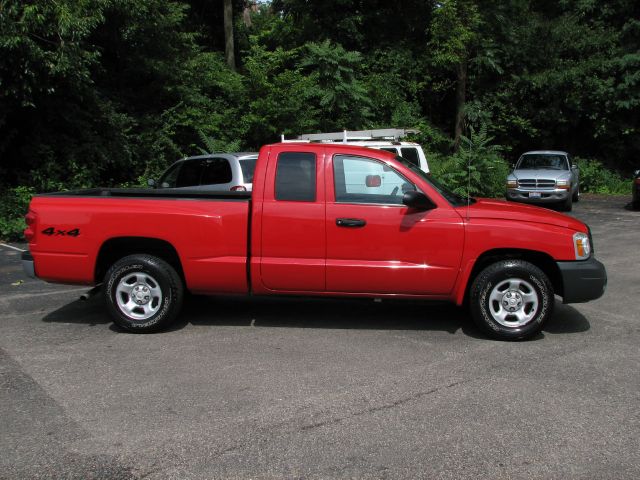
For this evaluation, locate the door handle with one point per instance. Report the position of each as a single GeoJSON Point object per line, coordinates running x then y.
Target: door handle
{"type": "Point", "coordinates": [350, 222]}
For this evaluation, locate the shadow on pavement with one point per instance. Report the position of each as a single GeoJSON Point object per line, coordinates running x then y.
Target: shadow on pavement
{"type": "Point", "coordinates": [566, 319]}
{"type": "Point", "coordinates": [288, 312]}
{"type": "Point", "coordinates": [89, 312]}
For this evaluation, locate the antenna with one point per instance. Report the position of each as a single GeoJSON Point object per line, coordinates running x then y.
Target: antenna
{"type": "Point", "coordinates": [468, 186]}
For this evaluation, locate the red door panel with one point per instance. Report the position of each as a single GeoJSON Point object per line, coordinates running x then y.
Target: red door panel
{"type": "Point", "coordinates": [384, 247]}
{"type": "Point", "coordinates": [397, 251]}
{"type": "Point", "coordinates": [293, 247]}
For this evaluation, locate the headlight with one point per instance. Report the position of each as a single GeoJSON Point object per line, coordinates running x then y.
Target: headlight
{"type": "Point", "coordinates": [562, 184]}
{"type": "Point", "coordinates": [512, 183]}
{"type": "Point", "coordinates": [582, 245]}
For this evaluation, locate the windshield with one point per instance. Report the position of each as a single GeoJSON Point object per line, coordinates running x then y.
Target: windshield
{"type": "Point", "coordinates": [453, 198]}
{"type": "Point", "coordinates": [540, 161]}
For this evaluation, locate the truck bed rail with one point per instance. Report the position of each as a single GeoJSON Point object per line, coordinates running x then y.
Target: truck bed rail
{"type": "Point", "coordinates": [175, 193]}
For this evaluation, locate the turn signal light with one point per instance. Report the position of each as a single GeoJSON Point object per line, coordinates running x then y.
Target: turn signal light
{"type": "Point", "coordinates": [582, 246]}
{"type": "Point", "coordinates": [512, 184]}
{"type": "Point", "coordinates": [562, 184]}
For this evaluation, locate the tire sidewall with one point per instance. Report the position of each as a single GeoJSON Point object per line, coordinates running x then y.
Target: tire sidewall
{"type": "Point", "coordinates": [495, 274]}
{"type": "Point", "coordinates": [152, 267]}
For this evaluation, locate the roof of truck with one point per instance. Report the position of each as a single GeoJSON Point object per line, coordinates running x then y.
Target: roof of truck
{"type": "Point", "coordinates": [546, 152]}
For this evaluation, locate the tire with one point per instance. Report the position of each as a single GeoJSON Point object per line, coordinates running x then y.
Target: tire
{"type": "Point", "coordinates": [511, 284]}
{"type": "Point", "coordinates": [576, 196]}
{"type": "Point", "coordinates": [143, 293]}
{"type": "Point", "coordinates": [567, 205]}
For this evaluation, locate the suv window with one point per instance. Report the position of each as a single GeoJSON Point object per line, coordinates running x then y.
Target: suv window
{"type": "Point", "coordinates": [296, 177]}
{"type": "Point", "coordinates": [248, 166]}
{"type": "Point", "coordinates": [390, 149]}
{"type": "Point", "coordinates": [168, 180]}
{"type": "Point", "coordinates": [410, 154]}
{"type": "Point", "coordinates": [215, 170]}
{"type": "Point", "coordinates": [365, 180]}
{"type": "Point", "coordinates": [191, 173]}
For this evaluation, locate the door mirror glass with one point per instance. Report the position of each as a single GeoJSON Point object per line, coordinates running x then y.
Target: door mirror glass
{"type": "Point", "coordinates": [151, 182]}
{"type": "Point", "coordinates": [417, 200]}
{"type": "Point", "coordinates": [574, 166]}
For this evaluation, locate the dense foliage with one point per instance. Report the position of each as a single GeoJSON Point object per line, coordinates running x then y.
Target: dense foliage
{"type": "Point", "coordinates": [110, 92]}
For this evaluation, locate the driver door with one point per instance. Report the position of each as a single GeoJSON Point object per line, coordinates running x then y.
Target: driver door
{"type": "Point", "coordinates": [375, 244]}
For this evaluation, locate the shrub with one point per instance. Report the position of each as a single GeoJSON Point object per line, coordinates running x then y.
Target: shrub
{"type": "Point", "coordinates": [595, 178]}
{"type": "Point", "coordinates": [477, 167]}
{"type": "Point", "coordinates": [14, 203]}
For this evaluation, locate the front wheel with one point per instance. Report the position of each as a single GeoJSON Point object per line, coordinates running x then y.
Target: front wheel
{"type": "Point", "coordinates": [143, 293]}
{"type": "Point", "coordinates": [567, 205]}
{"type": "Point", "coordinates": [511, 300]}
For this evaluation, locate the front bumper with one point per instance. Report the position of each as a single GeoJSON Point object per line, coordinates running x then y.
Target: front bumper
{"type": "Point", "coordinates": [28, 265]}
{"type": "Point", "coordinates": [546, 196]}
{"type": "Point", "coordinates": [582, 280]}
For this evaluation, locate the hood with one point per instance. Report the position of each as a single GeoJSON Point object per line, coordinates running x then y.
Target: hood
{"type": "Point", "coordinates": [541, 174]}
{"type": "Point", "coordinates": [503, 210]}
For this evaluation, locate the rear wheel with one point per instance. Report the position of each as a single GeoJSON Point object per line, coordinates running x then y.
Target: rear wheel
{"type": "Point", "coordinates": [511, 300]}
{"type": "Point", "coordinates": [143, 293]}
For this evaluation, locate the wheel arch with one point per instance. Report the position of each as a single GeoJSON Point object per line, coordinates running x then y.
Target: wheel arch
{"type": "Point", "coordinates": [542, 260]}
{"type": "Point", "coordinates": [114, 249]}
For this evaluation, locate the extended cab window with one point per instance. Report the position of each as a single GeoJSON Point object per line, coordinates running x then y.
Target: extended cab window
{"type": "Point", "coordinates": [365, 180]}
{"type": "Point", "coordinates": [296, 177]}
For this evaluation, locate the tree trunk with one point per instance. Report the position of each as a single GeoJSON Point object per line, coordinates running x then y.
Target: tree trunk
{"type": "Point", "coordinates": [461, 91]}
{"type": "Point", "coordinates": [229, 54]}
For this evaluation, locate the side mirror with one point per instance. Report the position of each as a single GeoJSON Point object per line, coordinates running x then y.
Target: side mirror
{"type": "Point", "coordinates": [417, 200]}
{"type": "Point", "coordinates": [575, 167]}
{"type": "Point", "coordinates": [373, 181]}
{"type": "Point", "coordinates": [152, 182]}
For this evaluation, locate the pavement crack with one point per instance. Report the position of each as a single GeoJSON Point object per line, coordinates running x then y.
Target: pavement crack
{"type": "Point", "coordinates": [379, 408]}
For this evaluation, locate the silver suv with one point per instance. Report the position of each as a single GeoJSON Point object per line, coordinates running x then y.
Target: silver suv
{"type": "Point", "coordinates": [214, 172]}
{"type": "Point", "coordinates": [544, 177]}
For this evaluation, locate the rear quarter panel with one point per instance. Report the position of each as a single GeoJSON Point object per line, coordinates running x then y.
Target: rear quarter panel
{"type": "Point", "coordinates": [210, 237]}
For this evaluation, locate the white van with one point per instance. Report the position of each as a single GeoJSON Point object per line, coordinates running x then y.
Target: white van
{"type": "Point", "coordinates": [387, 139]}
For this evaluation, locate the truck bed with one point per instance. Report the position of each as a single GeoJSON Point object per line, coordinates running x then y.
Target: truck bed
{"type": "Point", "coordinates": [76, 232]}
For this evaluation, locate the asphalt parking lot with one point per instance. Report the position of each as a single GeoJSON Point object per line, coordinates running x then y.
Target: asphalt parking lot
{"type": "Point", "coordinates": [290, 388]}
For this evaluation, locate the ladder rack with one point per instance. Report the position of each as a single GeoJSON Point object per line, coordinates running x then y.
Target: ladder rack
{"type": "Point", "coordinates": [393, 134]}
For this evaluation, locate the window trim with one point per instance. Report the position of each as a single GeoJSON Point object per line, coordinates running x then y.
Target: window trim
{"type": "Point", "coordinates": [385, 165]}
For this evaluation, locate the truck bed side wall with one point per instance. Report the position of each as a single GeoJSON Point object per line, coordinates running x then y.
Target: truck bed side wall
{"type": "Point", "coordinates": [210, 237]}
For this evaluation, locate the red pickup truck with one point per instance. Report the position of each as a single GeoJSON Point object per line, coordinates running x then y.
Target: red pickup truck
{"type": "Point", "coordinates": [323, 219]}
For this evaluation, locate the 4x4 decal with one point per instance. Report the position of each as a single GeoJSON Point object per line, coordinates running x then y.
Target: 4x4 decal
{"type": "Point", "coordinates": [51, 231]}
